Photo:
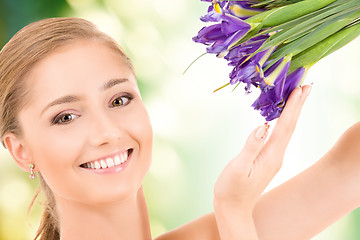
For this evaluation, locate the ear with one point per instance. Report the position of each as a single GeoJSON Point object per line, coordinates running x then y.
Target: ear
{"type": "Point", "coordinates": [18, 151]}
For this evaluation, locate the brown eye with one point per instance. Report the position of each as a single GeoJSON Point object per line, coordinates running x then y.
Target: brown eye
{"type": "Point", "coordinates": [117, 102]}
{"type": "Point", "coordinates": [64, 118]}
{"type": "Point", "coordinates": [120, 101]}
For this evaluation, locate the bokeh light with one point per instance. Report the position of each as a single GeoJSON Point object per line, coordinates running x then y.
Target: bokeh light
{"type": "Point", "coordinates": [196, 132]}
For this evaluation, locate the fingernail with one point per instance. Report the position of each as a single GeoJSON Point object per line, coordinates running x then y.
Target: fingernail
{"type": "Point", "coordinates": [300, 92]}
{"type": "Point", "coordinates": [262, 132]}
{"type": "Point", "coordinates": [309, 90]}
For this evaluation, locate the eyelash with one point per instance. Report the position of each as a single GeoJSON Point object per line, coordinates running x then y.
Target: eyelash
{"type": "Point", "coordinates": [57, 119]}
{"type": "Point", "coordinates": [128, 98]}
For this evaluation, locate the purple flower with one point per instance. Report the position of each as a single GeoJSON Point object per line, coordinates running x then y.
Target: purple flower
{"type": "Point", "coordinates": [229, 28]}
{"type": "Point", "coordinates": [250, 74]}
{"type": "Point", "coordinates": [211, 16]}
{"type": "Point", "coordinates": [223, 35]}
{"type": "Point", "coordinates": [276, 73]}
{"type": "Point", "coordinates": [243, 9]}
{"type": "Point", "coordinates": [271, 102]}
{"type": "Point", "coordinates": [249, 71]}
{"type": "Point", "coordinates": [240, 9]}
{"type": "Point", "coordinates": [236, 55]}
{"type": "Point", "coordinates": [214, 13]}
{"type": "Point", "coordinates": [293, 80]}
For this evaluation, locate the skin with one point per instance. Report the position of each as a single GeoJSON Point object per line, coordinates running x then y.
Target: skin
{"type": "Point", "coordinates": [94, 128]}
{"type": "Point", "coordinates": [303, 206]}
{"type": "Point", "coordinates": [241, 183]}
{"type": "Point", "coordinates": [319, 196]}
{"type": "Point", "coordinates": [246, 176]}
{"type": "Point", "coordinates": [113, 206]}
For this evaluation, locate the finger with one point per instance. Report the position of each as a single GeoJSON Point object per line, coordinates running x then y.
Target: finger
{"type": "Point", "coordinates": [286, 124]}
{"type": "Point", "coordinates": [253, 146]}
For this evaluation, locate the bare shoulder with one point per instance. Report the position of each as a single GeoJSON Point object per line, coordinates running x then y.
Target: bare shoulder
{"type": "Point", "coordinates": [352, 135]}
{"type": "Point", "coordinates": [201, 228]}
{"type": "Point", "coordinates": [355, 129]}
{"type": "Point", "coordinates": [348, 145]}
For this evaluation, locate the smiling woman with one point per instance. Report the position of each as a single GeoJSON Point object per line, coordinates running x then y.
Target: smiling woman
{"type": "Point", "coordinates": [71, 110]}
{"type": "Point", "coordinates": [75, 119]}
{"type": "Point", "coordinates": [72, 114]}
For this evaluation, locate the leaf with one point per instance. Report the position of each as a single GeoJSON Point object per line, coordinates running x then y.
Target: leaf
{"type": "Point", "coordinates": [269, 4]}
{"type": "Point", "coordinates": [297, 26]}
{"type": "Point", "coordinates": [287, 13]}
{"type": "Point", "coordinates": [306, 24]}
{"type": "Point", "coordinates": [326, 47]}
{"type": "Point", "coordinates": [323, 31]}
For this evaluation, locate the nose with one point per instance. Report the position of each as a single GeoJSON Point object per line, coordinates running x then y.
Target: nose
{"type": "Point", "coordinates": [104, 130]}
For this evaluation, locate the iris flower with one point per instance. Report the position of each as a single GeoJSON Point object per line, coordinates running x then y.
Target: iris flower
{"type": "Point", "coordinates": [238, 54]}
{"type": "Point", "coordinates": [271, 102]}
{"type": "Point", "coordinates": [223, 35]}
{"type": "Point", "coordinates": [271, 44]}
{"type": "Point", "coordinates": [250, 71]}
{"type": "Point", "coordinates": [275, 73]}
{"type": "Point", "coordinates": [243, 9]}
{"type": "Point", "coordinates": [240, 9]}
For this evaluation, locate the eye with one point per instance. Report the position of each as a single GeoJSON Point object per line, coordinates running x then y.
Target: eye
{"type": "Point", "coordinates": [121, 101]}
{"type": "Point", "coordinates": [64, 118]}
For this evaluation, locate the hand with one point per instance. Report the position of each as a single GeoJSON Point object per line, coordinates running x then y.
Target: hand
{"type": "Point", "coordinates": [247, 175]}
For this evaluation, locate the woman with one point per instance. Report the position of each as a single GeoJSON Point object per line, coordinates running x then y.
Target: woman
{"type": "Point", "coordinates": [72, 114]}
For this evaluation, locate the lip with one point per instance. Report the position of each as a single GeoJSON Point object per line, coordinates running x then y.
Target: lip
{"type": "Point", "coordinates": [113, 169]}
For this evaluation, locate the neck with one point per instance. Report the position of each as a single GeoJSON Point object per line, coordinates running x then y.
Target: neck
{"type": "Point", "coordinates": [127, 220]}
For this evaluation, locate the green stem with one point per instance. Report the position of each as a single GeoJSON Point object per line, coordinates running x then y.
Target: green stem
{"type": "Point", "coordinates": [283, 14]}
{"type": "Point", "coordinates": [322, 49]}
{"type": "Point", "coordinates": [193, 62]}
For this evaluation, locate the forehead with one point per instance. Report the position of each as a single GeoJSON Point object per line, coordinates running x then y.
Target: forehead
{"type": "Point", "coordinates": [78, 56]}
{"type": "Point", "coordinates": [78, 64]}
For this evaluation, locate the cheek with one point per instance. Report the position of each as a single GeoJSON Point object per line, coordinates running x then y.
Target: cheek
{"type": "Point", "coordinates": [143, 128]}
{"type": "Point", "coordinates": [51, 146]}
{"type": "Point", "coordinates": [140, 129]}
{"type": "Point", "coordinates": [54, 152]}
{"type": "Point", "coordinates": [57, 147]}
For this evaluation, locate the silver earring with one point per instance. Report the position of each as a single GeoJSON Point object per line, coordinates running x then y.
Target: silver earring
{"type": "Point", "coordinates": [32, 173]}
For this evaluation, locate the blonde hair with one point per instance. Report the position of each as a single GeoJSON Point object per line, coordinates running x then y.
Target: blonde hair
{"type": "Point", "coordinates": [18, 56]}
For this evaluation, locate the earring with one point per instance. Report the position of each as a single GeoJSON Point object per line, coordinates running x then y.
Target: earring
{"type": "Point", "coordinates": [32, 174]}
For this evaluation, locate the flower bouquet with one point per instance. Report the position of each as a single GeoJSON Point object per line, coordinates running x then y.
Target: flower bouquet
{"type": "Point", "coordinates": [271, 44]}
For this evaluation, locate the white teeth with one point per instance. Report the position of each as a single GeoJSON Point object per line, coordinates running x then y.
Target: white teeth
{"type": "Point", "coordinates": [97, 165]}
{"type": "Point", "coordinates": [110, 162]}
{"type": "Point", "coordinates": [117, 160]}
{"type": "Point", "coordinates": [103, 164]}
{"type": "Point", "coordinates": [123, 157]}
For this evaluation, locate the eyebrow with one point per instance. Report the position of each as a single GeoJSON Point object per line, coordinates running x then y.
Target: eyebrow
{"type": "Point", "coordinates": [75, 98]}
{"type": "Point", "coordinates": [113, 82]}
{"type": "Point", "coordinates": [61, 100]}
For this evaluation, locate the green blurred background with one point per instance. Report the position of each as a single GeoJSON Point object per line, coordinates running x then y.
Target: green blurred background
{"type": "Point", "coordinates": [196, 132]}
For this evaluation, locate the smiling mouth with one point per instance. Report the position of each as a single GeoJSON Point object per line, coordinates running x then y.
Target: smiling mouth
{"type": "Point", "coordinates": [109, 161]}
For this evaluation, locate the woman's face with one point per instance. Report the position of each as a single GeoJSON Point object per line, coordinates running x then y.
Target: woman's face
{"type": "Point", "coordinates": [85, 127]}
